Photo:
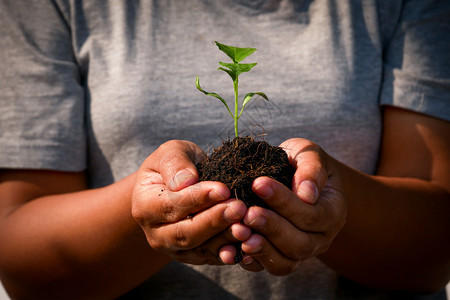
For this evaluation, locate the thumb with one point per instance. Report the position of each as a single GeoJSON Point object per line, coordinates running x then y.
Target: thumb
{"type": "Point", "coordinates": [311, 172]}
{"type": "Point", "coordinates": [175, 161]}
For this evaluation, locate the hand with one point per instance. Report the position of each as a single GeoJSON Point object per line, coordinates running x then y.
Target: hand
{"type": "Point", "coordinates": [303, 222]}
{"type": "Point", "coordinates": [181, 217]}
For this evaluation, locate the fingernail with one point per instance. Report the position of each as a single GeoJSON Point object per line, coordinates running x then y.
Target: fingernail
{"type": "Point", "coordinates": [217, 196]}
{"type": "Point", "coordinates": [308, 191]}
{"type": "Point", "coordinates": [181, 179]}
{"type": "Point", "coordinates": [264, 191]}
{"type": "Point", "coordinates": [252, 245]}
{"type": "Point", "coordinates": [247, 260]}
{"type": "Point", "coordinates": [240, 231]}
{"type": "Point", "coordinates": [258, 222]}
{"type": "Point", "coordinates": [233, 214]}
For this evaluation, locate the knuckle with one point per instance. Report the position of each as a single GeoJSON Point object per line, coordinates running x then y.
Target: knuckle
{"type": "Point", "coordinates": [170, 152]}
{"type": "Point", "coordinates": [168, 161]}
{"type": "Point", "coordinates": [275, 230]}
{"type": "Point", "coordinates": [283, 201]}
{"type": "Point", "coordinates": [157, 246]}
{"type": "Point", "coordinates": [311, 146]}
{"type": "Point", "coordinates": [181, 239]}
{"type": "Point", "coordinates": [175, 245]}
{"type": "Point", "coordinates": [172, 207]}
{"type": "Point", "coordinates": [312, 218]}
{"type": "Point", "coordinates": [315, 164]}
{"type": "Point", "coordinates": [145, 181]}
{"type": "Point", "coordinates": [168, 212]}
{"type": "Point", "coordinates": [192, 198]}
{"type": "Point", "coordinates": [273, 227]}
{"type": "Point", "coordinates": [157, 242]}
{"type": "Point", "coordinates": [215, 224]}
{"type": "Point", "coordinates": [316, 148]}
{"type": "Point", "coordinates": [315, 168]}
{"type": "Point", "coordinates": [195, 193]}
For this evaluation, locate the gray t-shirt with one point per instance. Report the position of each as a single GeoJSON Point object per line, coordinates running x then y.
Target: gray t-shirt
{"type": "Point", "coordinates": [98, 85]}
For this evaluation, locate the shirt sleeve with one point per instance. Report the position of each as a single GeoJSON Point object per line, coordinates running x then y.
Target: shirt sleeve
{"type": "Point", "coordinates": [417, 60]}
{"type": "Point", "coordinates": [42, 100]}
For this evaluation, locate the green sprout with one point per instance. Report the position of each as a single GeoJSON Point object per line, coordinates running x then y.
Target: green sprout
{"type": "Point", "coordinates": [234, 69]}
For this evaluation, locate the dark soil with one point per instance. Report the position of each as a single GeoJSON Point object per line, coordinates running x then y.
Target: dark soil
{"type": "Point", "coordinates": [238, 162]}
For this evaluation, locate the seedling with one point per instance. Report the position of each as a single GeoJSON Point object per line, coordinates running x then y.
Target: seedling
{"type": "Point", "coordinates": [234, 69]}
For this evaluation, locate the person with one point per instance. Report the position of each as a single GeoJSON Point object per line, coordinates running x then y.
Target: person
{"type": "Point", "coordinates": [101, 128]}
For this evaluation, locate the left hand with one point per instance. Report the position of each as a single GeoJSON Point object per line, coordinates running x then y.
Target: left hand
{"type": "Point", "coordinates": [303, 222]}
{"type": "Point", "coordinates": [167, 195]}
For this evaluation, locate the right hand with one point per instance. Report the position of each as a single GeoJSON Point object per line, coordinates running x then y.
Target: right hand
{"type": "Point", "coordinates": [181, 217]}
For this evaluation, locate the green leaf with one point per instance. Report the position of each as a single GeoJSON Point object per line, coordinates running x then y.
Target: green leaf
{"type": "Point", "coordinates": [245, 67]}
{"type": "Point", "coordinates": [197, 84]}
{"type": "Point", "coordinates": [235, 53]}
{"type": "Point", "coordinates": [237, 69]}
{"type": "Point", "coordinates": [248, 97]}
{"type": "Point", "coordinates": [230, 72]}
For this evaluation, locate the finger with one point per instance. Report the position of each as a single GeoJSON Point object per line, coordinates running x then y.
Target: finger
{"type": "Point", "coordinates": [240, 232]}
{"type": "Point", "coordinates": [175, 161]}
{"type": "Point", "coordinates": [223, 247]}
{"type": "Point", "coordinates": [193, 232]}
{"type": "Point", "coordinates": [259, 248]}
{"type": "Point", "coordinates": [227, 254]}
{"type": "Point", "coordinates": [149, 179]}
{"type": "Point", "coordinates": [278, 230]}
{"type": "Point", "coordinates": [218, 250]}
{"type": "Point", "coordinates": [311, 168]}
{"type": "Point", "coordinates": [312, 218]}
{"type": "Point", "coordinates": [236, 234]}
{"type": "Point", "coordinates": [155, 204]}
{"type": "Point", "coordinates": [251, 264]}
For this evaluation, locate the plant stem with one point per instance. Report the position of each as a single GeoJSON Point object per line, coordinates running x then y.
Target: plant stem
{"type": "Point", "coordinates": [236, 108]}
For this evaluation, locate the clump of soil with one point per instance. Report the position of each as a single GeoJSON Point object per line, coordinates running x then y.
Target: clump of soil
{"type": "Point", "coordinates": [238, 162]}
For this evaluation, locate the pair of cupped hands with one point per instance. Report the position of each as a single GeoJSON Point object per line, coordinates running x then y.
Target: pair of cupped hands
{"type": "Point", "coordinates": [203, 222]}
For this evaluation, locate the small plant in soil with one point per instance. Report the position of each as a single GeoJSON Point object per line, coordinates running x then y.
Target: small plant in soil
{"type": "Point", "coordinates": [234, 69]}
{"type": "Point", "coordinates": [238, 162]}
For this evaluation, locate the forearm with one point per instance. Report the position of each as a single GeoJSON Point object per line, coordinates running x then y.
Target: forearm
{"type": "Point", "coordinates": [76, 244]}
{"type": "Point", "coordinates": [396, 233]}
